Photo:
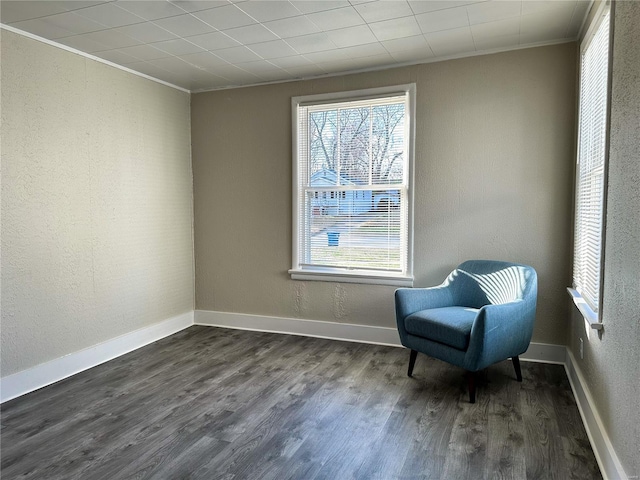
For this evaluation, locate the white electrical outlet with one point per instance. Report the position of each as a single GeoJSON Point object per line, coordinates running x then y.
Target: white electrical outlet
{"type": "Point", "coordinates": [581, 349]}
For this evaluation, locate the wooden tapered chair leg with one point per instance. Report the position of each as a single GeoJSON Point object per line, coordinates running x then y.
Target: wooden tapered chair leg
{"type": "Point", "coordinates": [412, 361]}
{"type": "Point", "coordinates": [471, 380]}
{"type": "Point", "coordinates": [516, 365]}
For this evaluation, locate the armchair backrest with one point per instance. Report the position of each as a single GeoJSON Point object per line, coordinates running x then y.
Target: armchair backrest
{"type": "Point", "coordinates": [476, 283]}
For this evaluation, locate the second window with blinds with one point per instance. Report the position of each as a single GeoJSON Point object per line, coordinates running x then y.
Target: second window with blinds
{"type": "Point", "coordinates": [352, 186]}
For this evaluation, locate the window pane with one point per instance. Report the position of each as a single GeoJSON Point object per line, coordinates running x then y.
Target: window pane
{"type": "Point", "coordinates": [323, 147]}
{"type": "Point", "coordinates": [361, 230]}
{"type": "Point", "coordinates": [590, 171]}
{"type": "Point", "coordinates": [387, 144]}
{"type": "Point", "coordinates": [354, 145]}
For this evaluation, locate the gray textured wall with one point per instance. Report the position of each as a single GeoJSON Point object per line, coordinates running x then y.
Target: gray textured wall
{"type": "Point", "coordinates": [96, 203]}
{"type": "Point", "coordinates": [611, 365]}
{"type": "Point", "coordinates": [494, 162]}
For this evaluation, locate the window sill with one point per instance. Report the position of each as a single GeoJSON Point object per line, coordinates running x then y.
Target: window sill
{"type": "Point", "coordinates": [354, 276]}
{"type": "Point", "coordinates": [589, 315]}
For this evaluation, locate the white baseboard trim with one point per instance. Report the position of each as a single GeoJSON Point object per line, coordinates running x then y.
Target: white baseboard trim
{"type": "Point", "coordinates": [608, 461]}
{"type": "Point", "coordinates": [545, 353]}
{"type": "Point", "coordinates": [26, 381]}
{"type": "Point", "coordinates": [537, 352]}
{"type": "Point", "coordinates": [296, 326]}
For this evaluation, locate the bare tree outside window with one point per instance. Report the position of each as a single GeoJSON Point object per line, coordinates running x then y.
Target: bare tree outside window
{"type": "Point", "coordinates": [364, 145]}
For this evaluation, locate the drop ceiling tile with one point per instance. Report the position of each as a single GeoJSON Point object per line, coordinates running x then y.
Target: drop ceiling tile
{"type": "Point", "coordinates": [225, 17]}
{"type": "Point", "coordinates": [274, 75]}
{"type": "Point", "coordinates": [338, 18]}
{"type": "Point", "coordinates": [251, 34]}
{"type": "Point", "coordinates": [274, 49]}
{"type": "Point", "coordinates": [148, 69]}
{"type": "Point", "coordinates": [384, 10]}
{"type": "Point", "coordinates": [416, 42]}
{"type": "Point", "coordinates": [117, 56]}
{"type": "Point", "coordinates": [259, 67]}
{"type": "Point", "coordinates": [412, 55]}
{"type": "Point", "coordinates": [367, 50]}
{"type": "Point", "coordinates": [215, 82]}
{"type": "Point", "coordinates": [214, 41]}
{"type": "Point", "coordinates": [290, 62]}
{"type": "Point", "coordinates": [206, 60]}
{"type": "Point", "coordinates": [499, 28]}
{"type": "Point", "coordinates": [312, 6]}
{"type": "Point", "coordinates": [144, 52]}
{"type": "Point", "coordinates": [538, 27]}
{"type": "Point", "coordinates": [113, 38]}
{"type": "Point", "coordinates": [147, 32]}
{"type": "Point", "coordinates": [492, 11]}
{"type": "Point", "coordinates": [315, 42]}
{"type": "Point", "coordinates": [395, 28]}
{"type": "Point", "coordinates": [198, 5]}
{"type": "Point", "coordinates": [292, 27]}
{"type": "Point", "coordinates": [270, 10]}
{"type": "Point", "coordinates": [308, 70]}
{"type": "Point", "coordinates": [237, 54]}
{"type": "Point", "coordinates": [451, 42]}
{"type": "Point", "coordinates": [235, 74]}
{"type": "Point", "coordinates": [533, 6]}
{"type": "Point", "coordinates": [110, 15]}
{"type": "Point", "coordinates": [18, 11]}
{"type": "Point", "coordinates": [373, 61]}
{"type": "Point", "coordinates": [80, 42]}
{"type": "Point", "coordinates": [347, 37]}
{"type": "Point", "coordinates": [177, 46]}
{"type": "Point", "coordinates": [497, 42]}
{"type": "Point", "coordinates": [42, 28]}
{"type": "Point", "coordinates": [171, 64]}
{"type": "Point", "coordinates": [327, 56]}
{"type": "Point", "coordinates": [151, 10]}
{"type": "Point", "coordinates": [336, 66]}
{"type": "Point", "coordinates": [422, 6]}
{"type": "Point", "coordinates": [202, 76]}
{"type": "Point", "coordinates": [184, 25]}
{"type": "Point", "coordinates": [72, 5]}
{"type": "Point", "coordinates": [443, 19]}
{"type": "Point", "coordinates": [71, 22]}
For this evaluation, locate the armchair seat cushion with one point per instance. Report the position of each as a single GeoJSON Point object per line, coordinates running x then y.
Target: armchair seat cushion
{"type": "Point", "coordinates": [448, 325]}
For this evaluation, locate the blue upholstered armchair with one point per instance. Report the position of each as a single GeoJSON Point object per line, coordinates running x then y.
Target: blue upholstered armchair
{"type": "Point", "coordinates": [482, 314]}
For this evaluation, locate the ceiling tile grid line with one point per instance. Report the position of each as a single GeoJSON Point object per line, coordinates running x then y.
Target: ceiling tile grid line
{"type": "Point", "coordinates": [227, 43]}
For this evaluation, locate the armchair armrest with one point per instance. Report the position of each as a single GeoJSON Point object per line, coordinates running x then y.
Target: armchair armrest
{"type": "Point", "coordinates": [500, 331]}
{"type": "Point", "coordinates": [411, 300]}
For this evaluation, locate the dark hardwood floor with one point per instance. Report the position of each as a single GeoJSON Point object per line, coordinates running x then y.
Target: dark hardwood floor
{"type": "Point", "coordinates": [215, 403]}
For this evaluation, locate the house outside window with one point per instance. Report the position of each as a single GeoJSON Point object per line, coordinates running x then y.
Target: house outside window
{"type": "Point", "coordinates": [591, 169]}
{"type": "Point", "coordinates": [352, 186]}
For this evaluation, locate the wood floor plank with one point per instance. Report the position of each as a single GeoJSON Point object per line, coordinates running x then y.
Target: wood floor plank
{"type": "Point", "coordinates": [213, 403]}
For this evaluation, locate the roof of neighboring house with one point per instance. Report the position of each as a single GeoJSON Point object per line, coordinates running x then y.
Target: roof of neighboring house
{"type": "Point", "coordinates": [328, 178]}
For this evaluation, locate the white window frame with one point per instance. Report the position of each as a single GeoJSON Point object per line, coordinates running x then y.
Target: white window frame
{"type": "Point", "coordinates": [299, 272]}
{"type": "Point", "coordinates": [593, 313]}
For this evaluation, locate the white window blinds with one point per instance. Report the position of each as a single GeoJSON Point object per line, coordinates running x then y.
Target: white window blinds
{"type": "Point", "coordinates": [592, 136]}
{"type": "Point", "coordinates": [352, 186]}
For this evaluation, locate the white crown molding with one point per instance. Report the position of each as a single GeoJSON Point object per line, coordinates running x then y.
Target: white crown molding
{"type": "Point", "coordinates": [89, 56]}
{"type": "Point", "coordinates": [26, 381]}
